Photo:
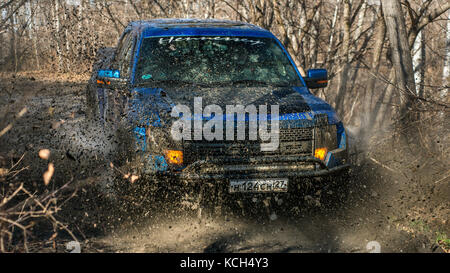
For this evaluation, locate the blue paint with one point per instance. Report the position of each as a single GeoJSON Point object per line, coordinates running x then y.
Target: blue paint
{"type": "Point", "coordinates": [145, 106]}
{"type": "Point", "coordinates": [140, 138]}
{"type": "Point", "coordinates": [330, 160]}
{"type": "Point", "coordinates": [317, 73]}
{"type": "Point", "coordinates": [135, 59]}
{"type": "Point", "coordinates": [341, 135]}
{"type": "Point", "coordinates": [157, 163]}
{"type": "Point", "coordinates": [107, 73]}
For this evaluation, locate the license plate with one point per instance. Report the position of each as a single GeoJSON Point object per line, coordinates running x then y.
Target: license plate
{"type": "Point", "coordinates": [259, 185]}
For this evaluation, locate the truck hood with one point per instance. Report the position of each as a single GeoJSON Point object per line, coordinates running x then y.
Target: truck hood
{"type": "Point", "coordinates": [150, 105]}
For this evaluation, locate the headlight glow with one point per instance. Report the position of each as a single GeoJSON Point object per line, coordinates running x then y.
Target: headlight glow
{"type": "Point", "coordinates": [320, 153]}
{"type": "Point", "coordinates": [174, 156]}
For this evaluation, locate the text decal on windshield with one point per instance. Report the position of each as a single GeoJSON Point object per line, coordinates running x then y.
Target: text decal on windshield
{"type": "Point", "coordinates": [168, 40]}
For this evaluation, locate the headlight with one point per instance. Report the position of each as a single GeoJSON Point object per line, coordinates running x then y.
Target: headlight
{"type": "Point", "coordinates": [325, 138]}
{"type": "Point", "coordinates": [320, 153]}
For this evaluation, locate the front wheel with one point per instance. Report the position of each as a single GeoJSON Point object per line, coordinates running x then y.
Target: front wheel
{"type": "Point", "coordinates": [92, 107]}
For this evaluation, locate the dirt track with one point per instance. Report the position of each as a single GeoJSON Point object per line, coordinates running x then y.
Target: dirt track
{"type": "Point", "coordinates": [395, 199]}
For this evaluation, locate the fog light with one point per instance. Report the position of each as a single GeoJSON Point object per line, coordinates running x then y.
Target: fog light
{"type": "Point", "coordinates": [320, 153]}
{"type": "Point", "coordinates": [174, 157]}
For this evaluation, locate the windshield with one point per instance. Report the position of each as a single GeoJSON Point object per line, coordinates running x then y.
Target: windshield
{"type": "Point", "coordinates": [214, 61]}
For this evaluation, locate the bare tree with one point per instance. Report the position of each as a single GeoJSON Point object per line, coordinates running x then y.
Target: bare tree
{"type": "Point", "coordinates": [418, 61]}
{"type": "Point", "coordinates": [345, 56]}
{"type": "Point", "coordinates": [401, 56]}
{"type": "Point", "coordinates": [367, 118]}
{"type": "Point", "coordinates": [446, 69]}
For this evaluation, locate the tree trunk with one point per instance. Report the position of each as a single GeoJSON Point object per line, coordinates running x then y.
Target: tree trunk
{"type": "Point", "coordinates": [55, 18]}
{"type": "Point", "coordinates": [82, 44]}
{"type": "Point", "coordinates": [333, 30]}
{"type": "Point", "coordinates": [33, 28]}
{"type": "Point", "coordinates": [13, 43]}
{"type": "Point", "coordinates": [367, 115]}
{"type": "Point", "coordinates": [419, 62]}
{"type": "Point", "coordinates": [446, 70]}
{"type": "Point", "coordinates": [345, 62]}
{"type": "Point", "coordinates": [66, 37]}
{"type": "Point", "coordinates": [313, 40]}
{"type": "Point", "coordinates": [361, 17]}
{"type": "Point", "coordinates": [401, 57]}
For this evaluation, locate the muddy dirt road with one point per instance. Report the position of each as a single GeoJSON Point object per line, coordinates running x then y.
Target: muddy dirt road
{"type": "Point", "coordinates": [394, 198]}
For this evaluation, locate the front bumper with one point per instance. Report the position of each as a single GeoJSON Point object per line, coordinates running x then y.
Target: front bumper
{"type": "Point", "coordinates": [263, 167]}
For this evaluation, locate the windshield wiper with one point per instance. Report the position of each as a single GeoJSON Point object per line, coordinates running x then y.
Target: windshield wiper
{"type": "Point", "coordinates": [265, 83]}
{"type": "Point", "coordinates": [251, 82]}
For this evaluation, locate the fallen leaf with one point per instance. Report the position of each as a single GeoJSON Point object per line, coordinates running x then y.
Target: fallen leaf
{"type": "Point", "coordinates": [48, 174]}
{"type": "Point", "coordinates": [51, 110]}
{"type": "Point", "coordinates": [57, 124]}
{"type": "Point", "coordinates": [3, 172]}
{"type": "Point", "coordinates": [134, 178]}
{"type": "Point", "coordinates": [44, 154]}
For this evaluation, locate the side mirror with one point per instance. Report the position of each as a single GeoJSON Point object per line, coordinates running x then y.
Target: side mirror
{"type": "Point", "coordinates": [317, 78]}
{"type": "Point", "coordinates": [108, 77]}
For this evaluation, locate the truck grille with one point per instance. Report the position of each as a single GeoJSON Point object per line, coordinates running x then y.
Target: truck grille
{"type": "Point", "coordinates": [296, 134]}
{"type": "Point", "coordinates": [293, 141]}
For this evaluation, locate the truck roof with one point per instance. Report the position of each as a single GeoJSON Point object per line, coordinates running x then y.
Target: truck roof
{"type": "Point", "coordinates": [197, 27]}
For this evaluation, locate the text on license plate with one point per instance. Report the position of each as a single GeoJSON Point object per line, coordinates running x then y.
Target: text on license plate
{"type": "Point", "coordinates": [259, 185]}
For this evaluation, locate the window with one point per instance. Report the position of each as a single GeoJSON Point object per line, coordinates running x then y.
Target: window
{"type": "Point", "coordinates": [214, 61]}
{"type": "Point", "coordinates": [124, 54]}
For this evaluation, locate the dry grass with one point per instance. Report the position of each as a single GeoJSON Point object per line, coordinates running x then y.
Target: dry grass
{"type": "Point", "coordinates": [22, 208]}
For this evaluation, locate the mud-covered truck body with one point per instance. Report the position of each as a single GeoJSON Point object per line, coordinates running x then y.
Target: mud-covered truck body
{"type": "Point", "coordinates": [190, 73]}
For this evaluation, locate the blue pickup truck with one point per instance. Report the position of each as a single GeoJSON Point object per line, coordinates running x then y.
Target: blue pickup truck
{"type": "Point", "coordinates": [162, 70]}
